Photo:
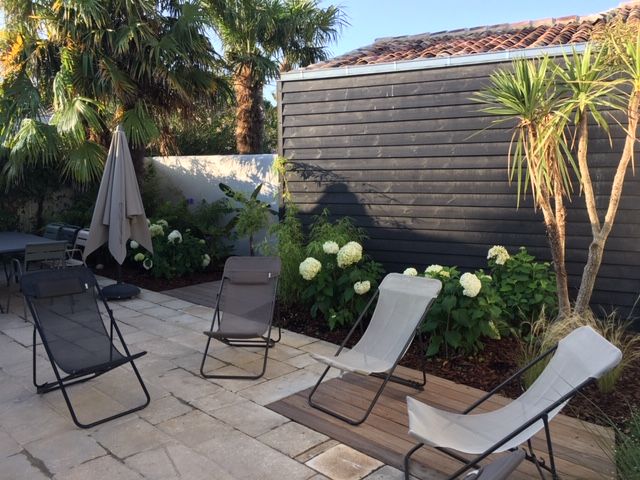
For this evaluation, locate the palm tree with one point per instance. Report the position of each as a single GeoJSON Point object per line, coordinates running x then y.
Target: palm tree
{"type": "Point", "coordinates": [100, 64]}
{"type": "Point", "coordinates": [263, 37]}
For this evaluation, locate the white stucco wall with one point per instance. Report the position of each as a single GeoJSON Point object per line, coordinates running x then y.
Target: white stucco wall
{"type": "Point", "coordinates": [198, 177]}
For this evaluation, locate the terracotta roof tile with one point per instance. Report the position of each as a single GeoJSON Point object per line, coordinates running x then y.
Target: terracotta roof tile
{"type": "Point", "coordinates": [484, 39]}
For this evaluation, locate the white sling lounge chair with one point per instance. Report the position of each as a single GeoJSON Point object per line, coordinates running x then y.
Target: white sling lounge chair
{"type": "Point", "coordinates": [579, 359]}
{"type": "Point", "coordinates": [403, 302]}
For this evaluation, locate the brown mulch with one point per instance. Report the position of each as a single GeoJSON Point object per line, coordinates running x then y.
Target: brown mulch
{"type": "Point", "coordinates": [142, 279]}
{"type": "Point", "coordinates": [485, 370]}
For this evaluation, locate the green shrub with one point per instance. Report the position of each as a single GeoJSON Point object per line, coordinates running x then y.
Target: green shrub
{"type": "Point", "coordinates": [339, 279]}
{"type": "Point", "coordinates": [289, 246]}
{"type": "Point", "coordinates": [467, 309]}
{"type": "Point", "coordinates": [526, 286]}
{"type": "Point", "coordinates": [627, 453]}
{"type": "Point", "coordinates": [252, 214]}
{"type": "Point", "coordinates": [341, 232]}
{"type": "Point", "coordinates": [175, 253]}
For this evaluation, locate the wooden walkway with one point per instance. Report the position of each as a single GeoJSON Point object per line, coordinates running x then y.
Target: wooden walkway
{"type": "Point", "coordinates": [200, 294]}
{"type": "Point", "coordinates": [577, 445]}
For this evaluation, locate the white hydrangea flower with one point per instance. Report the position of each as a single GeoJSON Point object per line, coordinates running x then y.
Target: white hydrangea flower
{"type": "Point", "coordinates": [433, 269]}
{"type": "Point", "coordinates": [139, 257]}
{"type": "Point", "coordinates": [499, 253]}
{"type": "Point", "coordinates": [362, 287]}
{"type": "Point", "coordinates": [164, 223]}
{"type": "Point", "coordinates": [173, 236]}
{"type": "Point", "coordinates": [133, 244]}
{"type": "Point", "coordinates": [412, 272]}
{"type": "Point", "coordinates": [349, 254]}
{"type": "Point", "coordinates": [444, 274]}
{"type": "Point", "coordinates": [201, 241]}
{"type": "Point", "coordinates": [147, 264]}
{"type": "Point", "coordinates": [471, 284]}
{"type": "Point", "coordinates": [206, 260]}
{"type": "Point", "coordinates": [330, 247]}
{"type": "Point", "coordinates": [309, 268]}
{"type": "Point", "coordinates": [156, 230]}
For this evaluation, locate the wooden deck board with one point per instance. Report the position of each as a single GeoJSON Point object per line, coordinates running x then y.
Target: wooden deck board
{"type": "Point", "coordinates": [385, 434]}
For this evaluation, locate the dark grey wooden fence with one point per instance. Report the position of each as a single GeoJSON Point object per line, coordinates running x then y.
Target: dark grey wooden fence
{"type": "Point", "coordinates": [411, 158]}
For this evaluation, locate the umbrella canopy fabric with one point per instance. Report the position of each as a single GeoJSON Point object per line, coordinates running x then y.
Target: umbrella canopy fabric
{"type": "Point", "coordinates": [119, 214]}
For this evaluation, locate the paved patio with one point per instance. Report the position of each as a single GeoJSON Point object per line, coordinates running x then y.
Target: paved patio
{"type": "Point", "coordinates": [193, 429]}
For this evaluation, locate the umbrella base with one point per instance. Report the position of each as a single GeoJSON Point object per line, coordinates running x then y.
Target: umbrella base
{"type": "Point", "coordinates": [120, 291]}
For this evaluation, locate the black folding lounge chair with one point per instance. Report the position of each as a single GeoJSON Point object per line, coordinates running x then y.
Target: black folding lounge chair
{"type": "Point", "coordinates": [245, 307]}
{"type": "Point", "coordinates": [66, 316]}
{"type": "Point", "coordinates": [403, 303]}
{"type": "Point", "coordinates": [577, 360]}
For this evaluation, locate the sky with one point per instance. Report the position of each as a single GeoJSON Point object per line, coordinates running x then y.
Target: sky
{"type": "Point", "coordinates": [371, 19]}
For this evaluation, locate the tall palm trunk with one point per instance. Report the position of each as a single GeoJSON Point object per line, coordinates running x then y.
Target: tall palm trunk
{"type": "Point", "coordinates": [249, 112]}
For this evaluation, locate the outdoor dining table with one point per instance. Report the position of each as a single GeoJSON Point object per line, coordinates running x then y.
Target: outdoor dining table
{"type": "Point", "coordinates": [15, 242]}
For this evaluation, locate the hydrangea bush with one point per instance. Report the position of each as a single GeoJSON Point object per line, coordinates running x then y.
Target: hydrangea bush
{"type": "Point", "coordinates": [526, 285]}
{"type": "Point", "coordinates": [467, 309]}
{"type": "Point", "coordinates": [339, 282]}
{"type": "Point", "coordinates": [175, 253]}
{"type": "Point", "coordinates": [476, 305]}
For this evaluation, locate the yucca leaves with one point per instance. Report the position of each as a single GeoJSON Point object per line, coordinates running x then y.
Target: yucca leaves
{"type": "Point", "coordinates": [538, 157]}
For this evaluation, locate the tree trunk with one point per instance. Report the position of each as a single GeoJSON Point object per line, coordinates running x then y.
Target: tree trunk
{"type": "Point", "coordinates": [249, 112]}
{"type": "Point", "coordinates": [596, 248]}
{"type": "Point", "coordinates": [556, 244]}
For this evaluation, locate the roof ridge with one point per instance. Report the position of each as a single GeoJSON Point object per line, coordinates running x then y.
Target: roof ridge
{"type": "Point", "coordinates": [520, 25]}
{"type": "Point", "coordinates": [566, 30]}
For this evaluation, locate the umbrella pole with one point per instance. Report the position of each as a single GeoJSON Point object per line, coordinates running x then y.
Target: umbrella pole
{"type": "Point", "coordinates": [120, 290]}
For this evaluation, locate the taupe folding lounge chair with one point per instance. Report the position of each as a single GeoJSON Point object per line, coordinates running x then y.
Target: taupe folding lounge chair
{"type": "Point", "coordinates": [245, 307]}
{"type": "Point", "coordinates": [579, 359]}
{"type": "Point", "coordinates": [64, 305]}
{"type": "Point", "coordinates": [403, 303]}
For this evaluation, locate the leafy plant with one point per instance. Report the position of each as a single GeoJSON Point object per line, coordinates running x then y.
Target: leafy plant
{"type": "Point", "coordinates": [526, 286]}
{"type": "Point", "coordinates": [467, 309]}
{"type": "Point", "coordinates": [545, 334]}
{"type": "Point", "coordinates": [627, 453]}
{"type": "Point", "coordinates": [175, 253]}
{"type": "Point", "coordinates": [339, 281]}
{"type": "Point", "coordinates": [341, 231]}
{"type": "Point", "coordinates": [252, 214]}
{"type": "Point", "coordinates": [289, 246]}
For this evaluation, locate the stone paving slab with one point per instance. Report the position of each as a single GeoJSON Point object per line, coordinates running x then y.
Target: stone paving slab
{"type": "Point", "coordinates": [344, 463]}
{"type": "Point", "coordinates": [193, 426]}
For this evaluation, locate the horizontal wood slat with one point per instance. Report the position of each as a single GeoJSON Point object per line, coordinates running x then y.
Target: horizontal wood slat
{"type": "Point", "coordinates": [413, 159]}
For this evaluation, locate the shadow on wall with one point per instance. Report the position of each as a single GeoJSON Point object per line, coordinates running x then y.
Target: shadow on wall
{"type": "Point", "coordinates": [197, 177]}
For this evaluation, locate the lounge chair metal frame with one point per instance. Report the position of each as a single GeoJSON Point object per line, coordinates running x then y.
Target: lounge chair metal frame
{"type": "Point", "coordinates": [530, 455]}
{"type": "Point", "coordinates": [63, 382]}
{"type": "Point", "coordinates": [386, 377]}
{"type": "Point", "coordinates": [265, 341]}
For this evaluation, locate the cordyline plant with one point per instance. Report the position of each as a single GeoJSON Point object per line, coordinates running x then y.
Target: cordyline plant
{"type": "Point", "coordinates": [552, 103]}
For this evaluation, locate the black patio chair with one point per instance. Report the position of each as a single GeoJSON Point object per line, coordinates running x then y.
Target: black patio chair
{"type": "Point", "coordinates": [245, 308]}
{"type": "Point", "coordinates": [64, 305]}
{"type": "Point", "coordinates": [36, 257]}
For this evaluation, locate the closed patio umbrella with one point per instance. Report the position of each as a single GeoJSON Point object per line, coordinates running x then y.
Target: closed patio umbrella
{"type": "Point", "coordinates": [119, 214]}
